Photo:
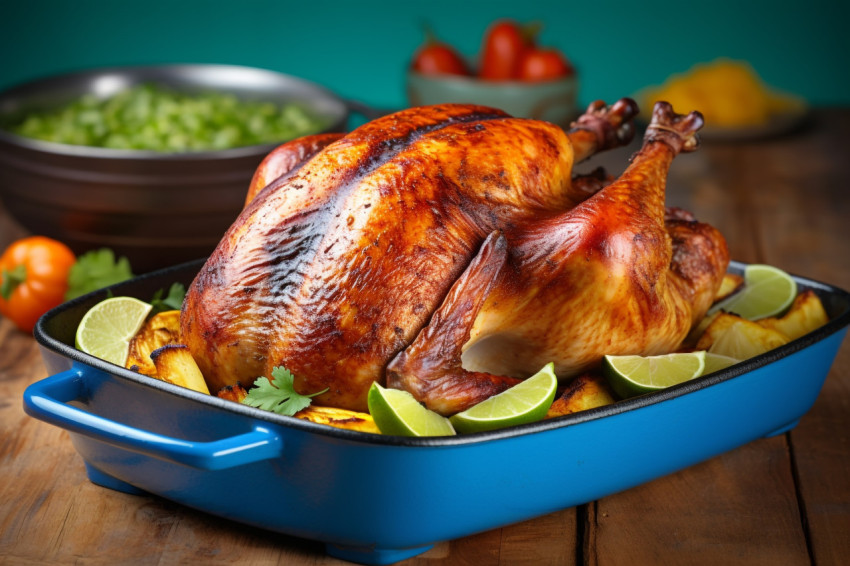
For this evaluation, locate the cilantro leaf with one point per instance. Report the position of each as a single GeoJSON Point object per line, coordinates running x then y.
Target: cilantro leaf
{"type": "Point", "coordinates": [96, 269]}
{"type": "Point", "coordinates": [172, 301]}
{"type": "Point", "coordinates": [278, 395]}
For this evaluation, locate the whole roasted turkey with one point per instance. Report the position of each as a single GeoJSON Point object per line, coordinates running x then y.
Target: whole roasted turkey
{"type": "Point", "coordinates": [450, 251]}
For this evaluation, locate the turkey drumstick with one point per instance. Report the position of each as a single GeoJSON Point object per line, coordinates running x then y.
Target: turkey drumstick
{"type": "Point", "coordinates": [610, 276]}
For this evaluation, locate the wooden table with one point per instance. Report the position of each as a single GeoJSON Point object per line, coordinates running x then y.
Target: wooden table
{"type": "Point", "coordinates": [781, 500]}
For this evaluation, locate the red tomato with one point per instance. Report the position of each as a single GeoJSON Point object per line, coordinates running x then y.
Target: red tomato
{"type": "Point", "coordinates": [544, 65]}
{"type": "Point", "coordinates": [503, 49]}
{"type": "Point", "coordinates": [33, 279]}
{"type": "Point", "coordinates": [435, 58]}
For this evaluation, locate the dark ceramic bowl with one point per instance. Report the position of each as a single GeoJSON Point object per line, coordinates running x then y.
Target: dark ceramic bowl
{"type": "Point", "coordinates": [155, 208]}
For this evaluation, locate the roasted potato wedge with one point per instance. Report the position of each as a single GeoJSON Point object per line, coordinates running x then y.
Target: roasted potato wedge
{"type": "Point", "coordinates": [806, 314]}
{"type": "Point", "coordinates": [586, 391]}
{"type": "Point", "coordinates": [730, 284]}
{"type": "Point", "coordinates": [175, 364]}
{"type": "Point", "coordinates": [235, 393]}
{"type": "Point", "coordinates": [339, 418]}
{"type": "Point", "coordinates": [161, 329]}
{"type": "Point", "coordinates": [739, 338]}
{"type": "Point", "coordinates": [690, 341]}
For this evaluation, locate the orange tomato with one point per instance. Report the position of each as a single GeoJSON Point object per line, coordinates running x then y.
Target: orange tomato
{"type": "Point", "coordinates": [33, 279]}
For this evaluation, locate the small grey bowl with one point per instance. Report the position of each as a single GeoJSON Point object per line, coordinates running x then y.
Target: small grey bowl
{"type": "Point", "coordinates": [157, 209]}
{"type": "Point", "coordinates": [553, 101]}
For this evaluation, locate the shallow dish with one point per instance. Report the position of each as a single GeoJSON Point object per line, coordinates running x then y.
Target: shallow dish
{"type": "Point", "coordinates": [552, 101]}
{"type": "Point", "coordinates": [138, 434]}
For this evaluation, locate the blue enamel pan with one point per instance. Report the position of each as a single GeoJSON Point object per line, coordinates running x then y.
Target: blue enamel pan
{"type": "Point", "coordinates": [137, 434]}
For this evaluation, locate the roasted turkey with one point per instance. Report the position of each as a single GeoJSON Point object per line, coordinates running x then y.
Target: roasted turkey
{"type": "Point", "coordinates": [450, 251]}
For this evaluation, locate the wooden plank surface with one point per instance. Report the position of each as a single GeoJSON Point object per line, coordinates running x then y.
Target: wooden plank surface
{"type": "Point", "coordinates": [779, 500]}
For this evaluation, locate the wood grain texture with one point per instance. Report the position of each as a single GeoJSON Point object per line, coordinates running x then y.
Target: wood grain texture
{"type": "Point", "coordinates": [780, 500]}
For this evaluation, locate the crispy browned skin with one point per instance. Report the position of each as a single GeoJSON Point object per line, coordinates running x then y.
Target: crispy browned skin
{"type": "Point", "coordinates": [611, 276]}
{"type": "Point", "coordinates": [334, 268]}
{"type": "Point", "coordinates": [286, 158]}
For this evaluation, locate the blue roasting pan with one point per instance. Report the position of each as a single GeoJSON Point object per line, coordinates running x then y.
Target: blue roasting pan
{"type": "Point", "coordinates": [137, 434]}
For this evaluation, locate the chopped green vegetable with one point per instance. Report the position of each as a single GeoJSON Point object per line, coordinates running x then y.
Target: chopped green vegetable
{"type": "Point", "coordinates": [172, 301]}
{"type": "Point", "coordinates": [278, 395]}
{"type": "Point", "coordinates": [150, 117]}
{"type": "Point", "coordinates": [94, 270]}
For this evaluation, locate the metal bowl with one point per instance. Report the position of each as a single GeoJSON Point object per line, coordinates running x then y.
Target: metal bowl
{"type": "Point", "coordinates": [157, 209]}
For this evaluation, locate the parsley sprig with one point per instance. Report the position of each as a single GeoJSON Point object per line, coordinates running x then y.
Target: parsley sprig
{"type": "Point", "coordinates": [173, 300]}
{"type": "Point", "coordinates": [96, 269]}
{"type": "Point", "coordinates": [278, 395]}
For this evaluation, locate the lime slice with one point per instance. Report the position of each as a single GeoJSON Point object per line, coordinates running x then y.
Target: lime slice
{"type": "Point", "coordinates": [397, 412]}
{"type": "Point", "coordinates": [717, 362]}
{"type": "Point", "coordinates": [768, 291]}
{"type": "Point", "coordinates": [525, 402]}
{"type": "Point", "coordinates": [635, 375]}
{"type": "Point", "coordinates": [107, 328]}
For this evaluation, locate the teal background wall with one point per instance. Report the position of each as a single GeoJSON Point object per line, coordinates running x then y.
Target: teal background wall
{"type": "Point", "coordinates": [360, 49]}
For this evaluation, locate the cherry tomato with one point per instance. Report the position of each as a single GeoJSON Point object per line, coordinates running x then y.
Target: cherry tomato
{"type": "Point", "coordinates": [504, 45]}
{"type": "Point", "coordinates": [33, 279]}
{"type": "Point", "coordinates": [435, 58]}
{"type": "Point", "coordinates": [544, 65]}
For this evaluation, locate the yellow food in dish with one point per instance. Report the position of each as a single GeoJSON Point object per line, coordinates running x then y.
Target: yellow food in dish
{"type": "Point", "coordinates": [729, 93]}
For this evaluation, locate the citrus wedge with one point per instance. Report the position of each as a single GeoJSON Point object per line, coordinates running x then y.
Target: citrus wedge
{"type": "Point", "coordinates": [635, 375]}
{"type": "Point", "coordinates": [107, 328]}
{"type": "Point", "coordinates": [717, 362]}
{"type": "Point", "coordinates": [746, 339]}
{"type": "Point", "coordinates": [523, 403]}
{"type": "Point", "coordinates": [396, 412]}
{"type": "Point", "coordinates": [767, 291]}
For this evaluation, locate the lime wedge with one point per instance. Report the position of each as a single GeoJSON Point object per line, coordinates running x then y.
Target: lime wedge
{"type": "Point", "coordinates": [746, 339]}
{"type": "Point", "coordinates": [525, 402]}
{"type": "Point", "coordinates": [717, 362]}
{"type": "Point", "coordinates": [107, 328]}
{"type": "Point", "coordinates": [768, 291]}
{"type": "Point", "coordinates": [397, 412]}
{"type": "Point", "coordinates": [635, 375]}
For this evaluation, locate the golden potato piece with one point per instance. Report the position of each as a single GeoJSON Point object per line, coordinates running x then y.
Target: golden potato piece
{"type": "Point", "coordinates": [694, 336]}
{"type": "Point", "coordinates": [161, 329]}
{"type": "Point", "coordinates": [730, 284]}
{"type": "Point", "coordinates": [235, 393]}
{"type": "Point", "coordinates": [739, 338]}
{"type": "Point", "coordinates": [584, 392]}
{"type": "Point", "coordinates": [339, 418]}
{"type": "Point", "coordinates": [175, 364]}
{"type": "Point", "coordinates": [805, 315]}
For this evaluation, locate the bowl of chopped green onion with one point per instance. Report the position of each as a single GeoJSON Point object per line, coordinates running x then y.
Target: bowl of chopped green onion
{"type": "Point", "coordinates": [151, 161]}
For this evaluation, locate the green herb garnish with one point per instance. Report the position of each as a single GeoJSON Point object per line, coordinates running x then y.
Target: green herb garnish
{"type": "Point", "coordinates": [94, 270]}
{"type": "Point", "coordinates": [172, 301]}
{"type": "Point", "coordinates": [278, 395]}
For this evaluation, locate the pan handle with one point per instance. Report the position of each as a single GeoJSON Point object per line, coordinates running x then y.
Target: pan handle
{"type": "Point", "coordinates": [48, 400]}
